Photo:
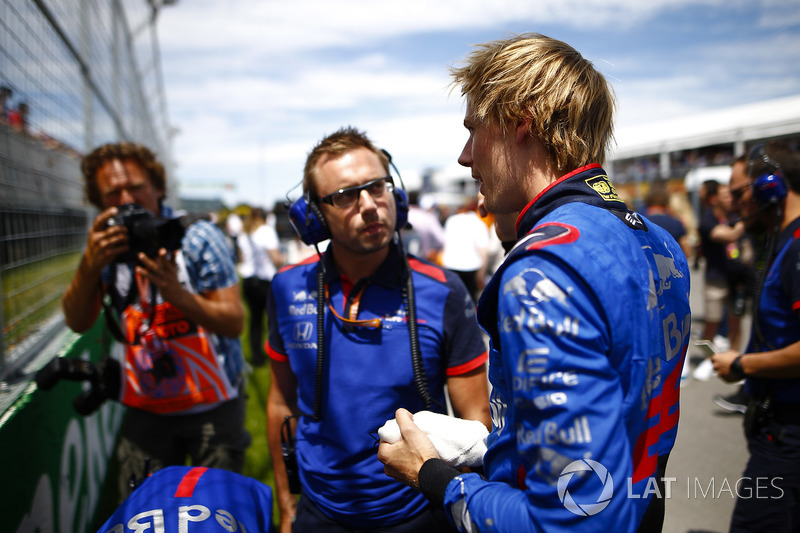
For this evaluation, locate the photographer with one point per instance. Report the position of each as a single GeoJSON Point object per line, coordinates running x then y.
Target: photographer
{"type": "Point", "coordinates": [179, 318]}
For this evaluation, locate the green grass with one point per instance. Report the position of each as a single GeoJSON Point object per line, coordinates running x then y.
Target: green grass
{"type": "Point", "coordinates": [258, 464]}
{"type": "Point", "coordinates": [32, 294]}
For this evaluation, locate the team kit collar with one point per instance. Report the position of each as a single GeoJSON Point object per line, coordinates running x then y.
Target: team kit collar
{"type": "Point", "coordinates": [791, 232]}
{"type": "Point", "coordinates": [389, 274]}
{"type": "Point", "coordinates": [588, 184]}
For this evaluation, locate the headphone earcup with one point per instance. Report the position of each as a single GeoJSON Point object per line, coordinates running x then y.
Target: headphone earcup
{"type": "Point", "coordinates": [401, 201]}
{"type": "Point", "coordinates": [308, 221]}
{"type": "Point", "coordinates": [769, 189]}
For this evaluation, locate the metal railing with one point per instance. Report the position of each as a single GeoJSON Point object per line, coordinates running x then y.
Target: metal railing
{"type": "Point", "coordinates": [87, 72]}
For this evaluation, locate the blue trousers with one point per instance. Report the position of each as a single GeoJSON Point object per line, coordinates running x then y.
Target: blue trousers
{"type": "Point", "coordinates": [769, 491]}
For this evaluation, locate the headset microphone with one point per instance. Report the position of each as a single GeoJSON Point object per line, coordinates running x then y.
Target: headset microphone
{"type": "Point", "coordinates": [760, 210]}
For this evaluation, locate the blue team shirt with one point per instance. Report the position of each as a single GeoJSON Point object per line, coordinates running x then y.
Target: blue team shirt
{"type": "Point", "coordinates": [368, 375]}
{"type": "Point", "coordinates": [779, 314]}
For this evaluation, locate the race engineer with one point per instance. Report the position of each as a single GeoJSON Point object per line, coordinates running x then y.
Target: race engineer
{"type": "Point", "coordinates": [354, 334]}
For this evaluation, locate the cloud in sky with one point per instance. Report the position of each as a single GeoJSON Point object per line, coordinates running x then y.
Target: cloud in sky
{"type": "Point", "coordinates": [252, 85]}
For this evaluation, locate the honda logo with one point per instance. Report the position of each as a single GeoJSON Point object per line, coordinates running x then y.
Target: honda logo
{"type": "Point", "coordinates": [302, 331]}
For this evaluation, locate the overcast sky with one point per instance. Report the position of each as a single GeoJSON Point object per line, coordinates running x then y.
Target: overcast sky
{"type": "Point", "coordinates": [252, 85]}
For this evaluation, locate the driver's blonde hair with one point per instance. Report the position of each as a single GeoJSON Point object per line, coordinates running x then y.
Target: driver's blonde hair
{"type": "Point", "coordinates": [570, 104]}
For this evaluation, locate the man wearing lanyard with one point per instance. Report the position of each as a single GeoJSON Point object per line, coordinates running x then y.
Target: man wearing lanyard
{"type": "Point", "coordinates": [354, 334]}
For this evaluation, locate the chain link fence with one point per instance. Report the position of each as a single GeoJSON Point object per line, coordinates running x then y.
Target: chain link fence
{"type": "Point", "coordinates": [74, 74]}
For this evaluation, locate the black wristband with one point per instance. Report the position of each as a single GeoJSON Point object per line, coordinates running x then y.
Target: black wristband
{"type": "Point", "coordinates": [434, 476]}
{"type": "Point", "coordinates": [737, 372]}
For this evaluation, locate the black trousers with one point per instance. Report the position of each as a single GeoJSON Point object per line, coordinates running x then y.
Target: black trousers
{"type": "Point", "coordinates": [256, 291]}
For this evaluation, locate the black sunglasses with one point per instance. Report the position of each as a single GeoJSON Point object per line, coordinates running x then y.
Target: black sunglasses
{"type": "Point", "coordinates": [347, 197]}
{"type": "Point", "coordinates": [737, 193]}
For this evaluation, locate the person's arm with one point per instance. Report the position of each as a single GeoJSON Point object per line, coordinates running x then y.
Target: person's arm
{"type": "Point", "coordinates": [469, 395]}
{"type": "Point", "coordinates": [277, 258]}
{"type": "Point", "coordinates": [777, 364]}
{"type": "Point", "coordinates": [281, 402]}
{"type": "Point", "coordinates": [562, 403]}
{"type": "Point", "coordinates": [81, 301]}
{"type": "Point", "coordinates": [726, 233]}
{"type": "Point", "coordinates": [220, 311]}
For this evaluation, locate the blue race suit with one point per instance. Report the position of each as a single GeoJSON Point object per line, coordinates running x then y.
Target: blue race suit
{"type": "Point", "coordinates": [368, 374]}
{"type": "Point", "coordinates": [589, 323]}
{"type": "Point", "coordinates": [177, 499]}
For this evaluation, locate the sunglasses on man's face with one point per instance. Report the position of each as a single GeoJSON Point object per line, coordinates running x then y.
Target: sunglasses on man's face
{"type": "Point", "coordinates": [348, 196]}
{"type": "Point", "coordinates": [738, 192]}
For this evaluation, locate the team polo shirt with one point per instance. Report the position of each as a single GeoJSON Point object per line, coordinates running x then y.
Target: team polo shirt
{"type": "Point", "coordinates": [368, 374]}
{"type": "Point", "coordinates": [779, 314]}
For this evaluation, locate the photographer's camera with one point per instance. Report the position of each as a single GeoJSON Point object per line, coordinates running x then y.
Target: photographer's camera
{"type": "Point", "coordinates": [146, 233]}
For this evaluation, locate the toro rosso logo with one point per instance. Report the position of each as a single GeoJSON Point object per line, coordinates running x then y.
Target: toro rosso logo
{"type": "Point", "coordinates": [550, 233]}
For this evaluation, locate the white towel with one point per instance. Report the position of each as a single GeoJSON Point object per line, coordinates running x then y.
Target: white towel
{"type": "Point", "coordinates": [459, 442]}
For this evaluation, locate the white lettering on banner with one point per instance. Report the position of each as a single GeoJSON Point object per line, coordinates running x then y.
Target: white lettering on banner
{"type": "Point", "coordinates": [534, 320]}
{"type": "Point", "coordinates": [675, 334]}
{"type": "Point", "coordinates": [88, 443]}
{"type": "Point", "coordinates": [548, 433]}
{"type": "Point", "coordinates": [40, 515]}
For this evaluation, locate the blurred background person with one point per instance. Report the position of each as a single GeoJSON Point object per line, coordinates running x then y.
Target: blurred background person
{"type": "Point", "coordinates": [260, 258]}
{"type": "Point", "coordinates": [424, 234]}
{"type": "Point", "coordinates": [466, 247]}
{"type": "Point", "coordinates": [717, 240]}
{"type": "Point", "coordinates": [657, 201]}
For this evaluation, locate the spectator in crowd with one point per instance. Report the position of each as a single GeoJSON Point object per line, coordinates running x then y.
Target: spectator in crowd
{"type": "Point", "coordinates": [658, 212]}
{"type": "Point", "coordinates": [5, 97]}
{"type": "Point", "coordinates": [743, 274]}
{"type": "Point", "coordinates": [424, 235]}
{"type": "Point", "coordinates": [18, 118]}
{"type": "Point", "coordinates": [588, 316]}
{"type": "Point", "coordinates": [178, 310]}
{"type": "Point", "coordinates": [259, 259]}
{"type": "Point", "coordinates": [466, 247]}
{"type": "Point", "coordinates": [389, 331]}
{"type": "Point", "coordinates": [770, 207]}
{"type": "Point", "coordinates": [719, 242]}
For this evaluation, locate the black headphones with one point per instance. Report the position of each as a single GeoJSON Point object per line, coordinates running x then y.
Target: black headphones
{"type": "Point", "coordinates": [769, 187]}
{"type": "Point", "coordinates": [308, 221]}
